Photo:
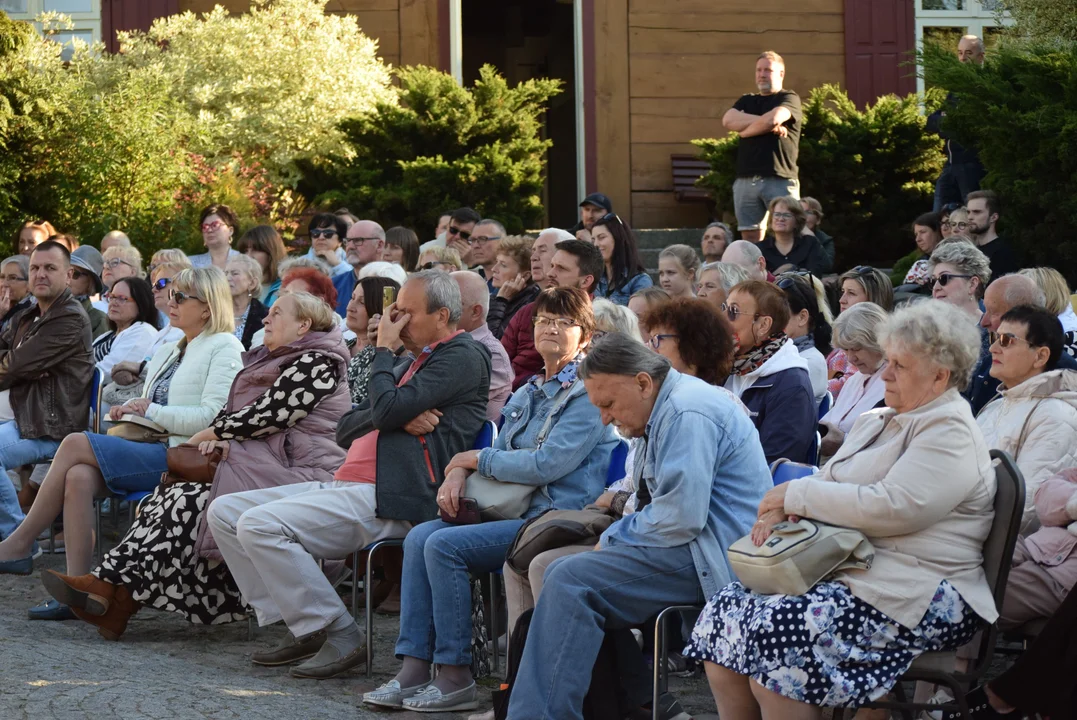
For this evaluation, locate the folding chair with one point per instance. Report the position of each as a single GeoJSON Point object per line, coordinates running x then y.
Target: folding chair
{"type": "Point", "coordinates": [826, 403]}
{"type": "Point", "coordinates": [782, 470]}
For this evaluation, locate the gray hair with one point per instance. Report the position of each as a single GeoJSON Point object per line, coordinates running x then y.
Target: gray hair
{"type": "Point", "coordinates": [302, 261]}
{"type": "Point", "coordinates": [558, 233]}
{"type": "Point", "coordinates": [21, 260]}
{"type": "Point", "coordinates": [1021, 289]}
{"type": "Point", "coordinates": [618, 354]}
{"type": "Point", "coordinates": [613, 318]}
{"type": "Point", "coordinates": [495, 223]}
{"type": "Point", "coordinates": [252, 268]}
{"type": "Point", "coordinates": [965, 257]}
{"type": "Point", "coordinates": [441, 292]}
{"type": "Point", "coordinates": [938, 331]}
{"type": "Point", "coordinates": [728, 274]}
{"type": "Point", "coordinates": [858, 327]}
{"type": "Point", "coordinates": [724, 228]}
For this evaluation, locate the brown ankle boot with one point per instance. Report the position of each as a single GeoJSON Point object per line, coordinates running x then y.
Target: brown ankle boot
{"type": "Point", "coordinates": [112, 624]}
{"type": "Point", "coordinates": [85, 593]}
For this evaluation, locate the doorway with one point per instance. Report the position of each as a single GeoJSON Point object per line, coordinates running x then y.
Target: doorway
{"type": "Point", "coordinates": [527, 39]}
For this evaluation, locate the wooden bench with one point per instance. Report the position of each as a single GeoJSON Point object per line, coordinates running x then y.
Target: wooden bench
{"type": "Point", "coordinates": [686, 170]}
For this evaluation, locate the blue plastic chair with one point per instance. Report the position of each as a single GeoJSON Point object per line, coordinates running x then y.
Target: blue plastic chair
{"type": "Point", "coordinates": [826, 403]}
{"type": "Point", "coordinates": [782, 471]}
{"type": "Point", "coordinates": [485, 439]}
{"type": "Point", "coordinates": [97, 387]}
{"type": "Point", "coordinates": [618, 459]}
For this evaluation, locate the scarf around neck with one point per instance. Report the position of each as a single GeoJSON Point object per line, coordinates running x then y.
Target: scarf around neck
{"type": "Point", "coordinates": [754, 358]}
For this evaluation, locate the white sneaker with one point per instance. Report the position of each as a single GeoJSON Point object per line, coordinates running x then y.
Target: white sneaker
{"type": "Point", "coordinates": [939, 698]}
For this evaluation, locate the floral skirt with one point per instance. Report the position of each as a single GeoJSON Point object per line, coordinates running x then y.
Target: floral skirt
{"type": "Point", "coordinates": [156, 560]}
{"type": "Point", "coordinates": [826, 647]}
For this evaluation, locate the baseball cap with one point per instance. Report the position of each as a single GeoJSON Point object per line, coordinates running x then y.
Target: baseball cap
{"type": "Point", "coordinates": [599, 200]}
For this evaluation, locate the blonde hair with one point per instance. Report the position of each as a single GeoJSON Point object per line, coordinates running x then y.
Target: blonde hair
{"type": "Point", "coordinates": [253, 270]}
{"type": "Point", "coordinates": [128, 255]}
{"type": "Point", "coordinates": [518, 248]}
{"type": "Point", "coordinates": [1054, 286]}
{"type": "Point", "coordinates": [169, 255]}
{"type": "Point", "coordinates": [445, 255]}
{"type": "Point", "coordinates": [684, 255]}
{"type": "Point", "coordinates": [858, 327]}
{"type": "Point", "coordinates": [174, 267]}
{"type": "Point", "coordinates": [772, 56]}
{"type": "Point", "coordinates": [209, 285]}
{"type": "Point", "coordinates": [312, 308]}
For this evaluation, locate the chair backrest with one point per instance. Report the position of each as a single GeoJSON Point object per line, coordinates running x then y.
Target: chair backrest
{"type": "Point", "coordinates": [486, 436]}
{"type": "Point", "coordinates": [97, 387]}
{"type": "Point", "coordinates": [826, 403]}
{"type": "Point", "coordinates": [1006, 526]}
{"type": "Point", "coordinates": [783, 470]}
{"type": "Point", "coordinates": [618, 459]}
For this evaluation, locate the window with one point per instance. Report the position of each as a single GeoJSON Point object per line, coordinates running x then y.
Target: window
{"type": "Point", "coordinates": [945, 21]}
{"type": "Point", "coordinates": [84, 14]}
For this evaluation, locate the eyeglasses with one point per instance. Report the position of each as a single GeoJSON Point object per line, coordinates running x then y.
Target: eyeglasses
{"type": "Point", "coordinates": [323, 233]}
{"type": "Point", "coordinates": [733, 312]}
{"type": "Point", "coordinates": [1006, 340]}
{"type": "Point", "coordinates": [656, 340]}
{"type": "Point", "coordinates": [453, 230]}
{"type": "Point", "coordinates": [213, 226]}
{"type": "Point", "coordinates": [161, 283]}
{"type": "Point", "coordinates": [116, 262]}
{"type": "Point", "coordinates": [481, 239]}
{"type": "Point", "coordinates": [541, 323]}
{"type": "Point", "coordinates": [946, 278]}
{"type": "Point", "coordinates": [118, 299]}
{"type": "Point", "coordinates": [782, 216]}
{"type": "Point", "coordinates": [434, 264]}
{"type": "Point", "coordinates": [958, 225]}
{"type": "Point", "coordinates": [357, 241]}
{"type": "Point", "coordinates": [13, 278]}
{"type": "Point", "coordinates": [179, 297]}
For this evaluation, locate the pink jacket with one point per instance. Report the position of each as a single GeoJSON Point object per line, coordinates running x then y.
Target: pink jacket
{"type": "Point", "coordinates": [305, 452]}
{"type": "Point", "coordinates": [1053, 543]}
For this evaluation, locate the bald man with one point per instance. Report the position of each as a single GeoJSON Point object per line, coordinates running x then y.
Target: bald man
{"type": "Point", "coordinates": [963, 171]}
{"type": "Point", "coordinates": [114, 238]}
{"type": "Point", "coordinates": [475, 301]}
{"type": "Point", "coordinates": [1004, 294]}
{"type": "Point", "coordinates": [748, 256]}
{"type": "Point", "coordinates": [363, 244]}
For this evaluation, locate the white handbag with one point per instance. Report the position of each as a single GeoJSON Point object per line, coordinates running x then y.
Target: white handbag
{"type": "Point", "coordinates": [797, 556]}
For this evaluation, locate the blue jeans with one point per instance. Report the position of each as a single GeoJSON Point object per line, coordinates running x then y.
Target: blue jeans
{"type": "Point", "coordinates": [435, 590]}
{"type": "Point", "coordinates": [583, 596]}
{"type": "Point", "coordinates": [15, 452]}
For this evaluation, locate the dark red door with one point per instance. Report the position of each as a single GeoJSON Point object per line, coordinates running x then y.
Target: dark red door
{"type": "Point", "coordinates": [131, 15]}
{"type": "Point", "coordinates": [879, 42]}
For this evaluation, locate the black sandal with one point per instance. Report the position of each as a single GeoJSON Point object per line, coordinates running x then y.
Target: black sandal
{"type": "Point", "coordinates": [980, 708]}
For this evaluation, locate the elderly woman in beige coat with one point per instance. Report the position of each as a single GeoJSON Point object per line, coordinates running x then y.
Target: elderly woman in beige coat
{"type": "Point", "coordinates": [916, 479]}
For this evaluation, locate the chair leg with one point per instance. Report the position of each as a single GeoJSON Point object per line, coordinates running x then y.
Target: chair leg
{"type": "Point", "coordinates": [368, 605]}
{"type": "Point", "coordinates": [100, 539]}
{"type": "Point", "coordinates": [355, 587]}
{"type": "Point", "coordinates": [659, 662]}
{"type": "Point", "coordinates": [495, 597]}
{"type": "Point", "coordinates": [250, 628]}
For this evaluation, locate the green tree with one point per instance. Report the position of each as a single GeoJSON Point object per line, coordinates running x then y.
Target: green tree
{"type": "Point", "coordinates": [1020, 111]}
{"type": "Point", "coordinates": [1050, 20]}
{"type": "Point", "coordinates": [873, 170]}
{"type": "Point", "coordinates": [442, 146]}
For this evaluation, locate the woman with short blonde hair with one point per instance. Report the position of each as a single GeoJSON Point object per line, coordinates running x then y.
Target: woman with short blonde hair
{"type": "Point", "coordinates": [244, 275]}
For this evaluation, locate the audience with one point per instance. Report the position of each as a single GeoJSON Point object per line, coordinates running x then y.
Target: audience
{"type": "Point", "coordinates": [787, 243]}
{"type": "Point", "coordinates": [956, 222]}
{"type": "Point", "coordinates": [592, 207]}
{"type": "Point", "coordinates": [716, 238]}
{"type": "Point", "coordinates": [513, 281]}
{"type": "Point", "coordinates": [813, 218]}
{"type": "Point", "coordinates": [624, 273]}
{"type": "Point", "coordinates": [1057, 301]}
{"type": "Point", "coordinates": [31, 234]}
{"type": "Point", "coordinates": [677, 267]}
{"type": "Point", "coordinates": [475, 299]}
{"type": "Point", "coordinates": [298, 278]}
{"type": "Point", "coordinates": [769, 376]}
{"type": "Point", "coordinates": [364, 243]}
{"type": "Point", "coordinates": [219, 225]}
{"type": "Point", "coordinates": [462, 222]}
{"type": "Point", "coordinates": [85, 281]}
{"type": "Point", "coordinates": [115, 238]}
{"type": "Point", "coordinates": [15, 295]}
{"type": "Point", "coordinates": [861, 284]}
{"type": "Point", "coordinates": [959, 275]}
{"type": "Point", "coordinates": [856, 331]}
{"type": "Point", "coordinates": [716, 279]}
{"type": "Point", "coordinates": [440, 258]}
{"type": "Point", "coordinates": [694, 336]}
{"type": "Point", "coordinates": [747, 255]}
{"type": "Point", "coordinates": [367, 303]}
{"type": "Point", "coordinates": [483, 243]}
{"type": "Point", "coordinates": [644, 300]}
{"type": "Point", "coordinates": [1034, 417]}
{"type": "Point", "coordinates": [402, 248]}
{"type": "Point", "coordinates": [917, 480]}
{"type": "Point", "coordinates": [418, 415]}
{"type": "Point", "coordinates": [273, 430]}
{"type": "Point", "coordinates": [132, 321]}
{"type": "Point", "coordinates": [264, 244]}
{"type": "Point", "coordinates": [327, 232]}
{"type": "Point", "coordinates": [167, 255]}
{"type": "Point", "coordinates": [117, 263]}
{"type": "Point", "coordinates": [672, 550]}
{"type": "Point", "coordinates": [611, 318]}
{"type": "Point", "coordinates": [244, 276]}
{"type": "Point", "coordinates": [914, 269]}
{"type": "Point", "coordinates": [983, 210]}
{"type": "Point", "coordinates": [542, 251]}
{"type": "Point", "coordinates": [186, 386]}
{"type": "Point", "coordinates": [808, 328]}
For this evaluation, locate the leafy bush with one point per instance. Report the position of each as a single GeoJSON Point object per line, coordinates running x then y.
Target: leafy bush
{"type": "Point", "coordinates": [873, 170]}
{"type": "Point", "coordinates": [1020, 111]}
{"type": "Point", "coordinates": [443, 146]}
{"type": "Point", "coordinates": [1050, 20]}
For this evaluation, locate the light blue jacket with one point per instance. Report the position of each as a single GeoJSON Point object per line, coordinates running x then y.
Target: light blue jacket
{"type": "Point", "coordinates": [571, 465]}
{"type": "Point", "coordinates": [621, 295]}
{"type": "Point", "coordinates": [706, 473]}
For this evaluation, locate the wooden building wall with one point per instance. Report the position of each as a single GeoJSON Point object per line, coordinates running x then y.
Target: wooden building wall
{"type": "Point", "coordinates": [686, 62]}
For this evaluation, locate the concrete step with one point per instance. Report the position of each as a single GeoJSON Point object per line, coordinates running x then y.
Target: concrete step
{"type": "Point", "coordinates": [652, 242]}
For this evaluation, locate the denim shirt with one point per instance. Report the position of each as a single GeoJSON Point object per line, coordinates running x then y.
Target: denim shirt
{"type": "Point", "coordinates": [621, 295]}
{"type": "Point", "coordinates": [570, 468]}
{"type": "Point", "coordinates": [706, 473]}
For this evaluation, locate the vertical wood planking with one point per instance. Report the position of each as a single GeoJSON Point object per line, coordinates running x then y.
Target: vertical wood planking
{"type": "Point", "coordinates": [612, 105]}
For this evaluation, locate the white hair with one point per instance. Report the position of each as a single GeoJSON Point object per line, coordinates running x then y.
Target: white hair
{"type": "Point", "coordinates": [382, 269]}
{"type": "Point", "coordinates": [610, 317]}
{"type": "Point", "coordinates": [858, 327]}
{"type": "Point", "coordinates": [938, 331]}
{"type": "Point", "coordinates": [558, 234]}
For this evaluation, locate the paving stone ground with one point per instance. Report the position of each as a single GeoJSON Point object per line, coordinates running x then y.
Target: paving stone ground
{"type": "Point", "coordinates": [164, 668]}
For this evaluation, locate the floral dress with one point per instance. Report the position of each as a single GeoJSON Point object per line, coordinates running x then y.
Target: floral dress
{"type": "Point", "coordinates": [156, 561]}
{"type": "Point", "coordinates": [839, 369]}
{"type": "Point", "coordinates": [826, 647]}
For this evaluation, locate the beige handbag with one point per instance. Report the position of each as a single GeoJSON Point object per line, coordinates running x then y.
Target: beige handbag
{"type": "Point", "coordinates": [797, 556]}
{"type": "Point", "coordinates": [138, 429]}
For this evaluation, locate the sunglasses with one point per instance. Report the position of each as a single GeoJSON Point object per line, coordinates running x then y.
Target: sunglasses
{"type": "Point", "coordinates": [656, 340]}
{"type": "Point", "coordinates": [323, 233]}
{"type": "Point", "coordinates": [76, 274]}
{"type": "Point", "coordinates": [211, 226]}
{"type": "Point", "coordinates": [945, 278]}
{"type": "Point", "coordinates": [453, 230]}
{"type": "Point", "coordinates": [733, 312]}
{"type": "Point", "coordinates": [161, 283]}
{"type": "Point", "coordinates": [433, 264]}
{"type": "Point", "coordinates": [863, 270]}
{"type": "Point", "coordinates": [609, 218]}
{"type": "Point", "coordinates": [179, 297]}
{"type": "Point", "coordinates": [1006, 340]}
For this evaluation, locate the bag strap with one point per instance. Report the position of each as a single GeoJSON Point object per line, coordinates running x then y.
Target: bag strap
{"type": "Point", "coordinates": [561, 399]}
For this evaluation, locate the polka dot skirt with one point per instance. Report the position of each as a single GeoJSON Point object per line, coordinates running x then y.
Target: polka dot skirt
{"type": "Point", "coordinates": [826, 647]}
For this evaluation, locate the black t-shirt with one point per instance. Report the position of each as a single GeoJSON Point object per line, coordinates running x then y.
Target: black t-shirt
{"type": "Point", "coordinates": [769, 155]}
{"type": "Point", "coordinates": [807, 254]}
{"type": "Point", "coordinates": [1001, 256]}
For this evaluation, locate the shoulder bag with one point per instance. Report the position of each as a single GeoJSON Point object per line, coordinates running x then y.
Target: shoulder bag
{"type": "Point", "coordinates": [557, 529]}
{"type": "Point", "coordinates": [138, 429]}
{"type": "Point", "coordinates": [187, 464]}
{"type": "Point", "coordinates": [797, 556]}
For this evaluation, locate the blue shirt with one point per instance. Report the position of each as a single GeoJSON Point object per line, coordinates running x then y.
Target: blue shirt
{"type": "Point", "coordinates": [345, 285]}
{"type": "Point", "coordinates": [706, 473]}
{"type": "Point", "coordinates": [621, 295]}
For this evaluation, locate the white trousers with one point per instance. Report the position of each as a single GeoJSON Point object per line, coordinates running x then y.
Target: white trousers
{"type": "Point", "coordinates": [272, 541]}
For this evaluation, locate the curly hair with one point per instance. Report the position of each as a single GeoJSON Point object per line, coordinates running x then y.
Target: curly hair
{"type": "Point", "coordinates": [320, 284]}
{"type": "Point", "coordinates": [704, 337]}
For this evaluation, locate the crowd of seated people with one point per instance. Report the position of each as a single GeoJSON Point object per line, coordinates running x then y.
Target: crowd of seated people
{"type": "Point", "coordinates": [336, 398]}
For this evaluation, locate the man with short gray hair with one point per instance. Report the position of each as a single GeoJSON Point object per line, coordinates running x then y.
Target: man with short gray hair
{"type": "Point", "coordinates": [420, 412]}
{"type": "Point", "coordinates": [364, 244]}
{"type": "Point", "coordinates": [476, 305]}
{"type": "Point", "coordinates": [700, 475]}
{"type": "Point", "coordinates": [748, 256]}
{"type": "Point", "coordinates": [484, 242]}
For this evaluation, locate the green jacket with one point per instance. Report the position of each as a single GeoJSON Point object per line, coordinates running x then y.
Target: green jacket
{"type": "Point", "coordinates": [98, 320]}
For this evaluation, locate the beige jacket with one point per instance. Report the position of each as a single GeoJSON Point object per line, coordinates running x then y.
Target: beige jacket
{"type": "Point", "coordinates": [920, 485]}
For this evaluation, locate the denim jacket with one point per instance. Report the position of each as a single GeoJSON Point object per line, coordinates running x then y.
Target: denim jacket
{"type": "Point", "coordinates": [570, 467]}
{"type": "Point", "coordinates": [706, 473]}
{"type": "Point", "coordinates": [621, 295]}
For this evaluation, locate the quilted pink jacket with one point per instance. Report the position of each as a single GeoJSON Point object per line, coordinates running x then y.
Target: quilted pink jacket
{"type": "Point", "coordinates": [1053, 543]}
